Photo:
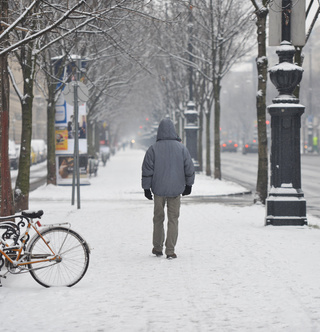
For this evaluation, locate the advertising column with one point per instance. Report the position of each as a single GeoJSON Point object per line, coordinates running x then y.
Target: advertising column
{"type": "Point", "coordinates": [65, 135]}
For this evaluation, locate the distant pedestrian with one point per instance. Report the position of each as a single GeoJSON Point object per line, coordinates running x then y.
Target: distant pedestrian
{"type": "Point", "coordinates": [168, 171]}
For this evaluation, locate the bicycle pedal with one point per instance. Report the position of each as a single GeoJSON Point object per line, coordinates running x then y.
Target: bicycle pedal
{"type": "Point", "coordinates": [2, 276]}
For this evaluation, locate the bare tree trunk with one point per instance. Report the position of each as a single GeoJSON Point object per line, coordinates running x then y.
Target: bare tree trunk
{"type": "Point", "coordinates": [55, 70]}
{"type": "Point", "coordinates": [262, 67]}
{"type": "Point", "coordinates": [6, 199]}
{"type": "Point", "coordinates": [298, 59]}
{"type": "Point", "coordinates": [208, 144]}
{"type": "Point", "coordinates": [91, 129]}
{"type": "Point", "coordinates": [200, 97]}
{"type": "Point", "coordinates": [96, 137]}
{"type": "Point", "coordinates": [217, 154]}
{"type": "Point", "coordinates": [200, 147]}
{"type": "Point", "coordinates": [21, 193]}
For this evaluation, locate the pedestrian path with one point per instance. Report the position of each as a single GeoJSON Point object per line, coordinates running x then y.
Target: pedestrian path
{"type": "Point", "coordinates": [232, 273]}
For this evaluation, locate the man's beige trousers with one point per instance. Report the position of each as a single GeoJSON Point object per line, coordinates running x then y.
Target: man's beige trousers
{"type": "Point", "coordinates": [173, 212]}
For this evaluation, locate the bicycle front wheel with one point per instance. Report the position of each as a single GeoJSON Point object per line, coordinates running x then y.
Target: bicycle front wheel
{"type": "Point", "coordinates": [72, 262]}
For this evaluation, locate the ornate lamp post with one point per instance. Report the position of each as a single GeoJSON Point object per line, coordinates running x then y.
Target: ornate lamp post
{"type": "Point", "coordinates": [191, 114]}
{"type": "Point", "coordinates": [191, 132]}
{"type": "Point", "coordinates": [285, 204]}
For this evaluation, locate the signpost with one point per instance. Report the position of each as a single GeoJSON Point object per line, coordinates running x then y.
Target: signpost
{"type": "Point", "coordinates": [76, 92]}
{"type": "Point", "coordinates": [70, 110]}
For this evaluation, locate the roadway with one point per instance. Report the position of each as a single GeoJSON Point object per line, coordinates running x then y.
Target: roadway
{"type": "Point", "coordinates": [242, 169]}
{"type": "Point", "coordinates": [38, 175]}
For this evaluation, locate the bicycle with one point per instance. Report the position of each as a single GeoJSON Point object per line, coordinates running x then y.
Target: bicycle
{"type": "Point", "coordinates": [55, 256]}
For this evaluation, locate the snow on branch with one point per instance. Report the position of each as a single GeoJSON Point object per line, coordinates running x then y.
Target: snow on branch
{"type": "Point", "coordinates": [42, 32]}
{"type": "Point", "coordinates": [15, 24]}
{"type": "Point", "coordinates": [14, 84]}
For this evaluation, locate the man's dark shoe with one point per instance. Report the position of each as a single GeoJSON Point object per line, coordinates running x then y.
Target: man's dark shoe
{"type": "Point", "coordinates": [171, 256]}
{"type": "Point", "coordinates": [157, 253]}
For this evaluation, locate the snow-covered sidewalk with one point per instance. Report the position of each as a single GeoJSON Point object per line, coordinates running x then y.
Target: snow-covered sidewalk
{"type": "Point", "coordinates": [232, 273]}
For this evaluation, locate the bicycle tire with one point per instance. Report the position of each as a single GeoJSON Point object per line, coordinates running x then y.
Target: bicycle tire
{"type": "Point", "coordinates": [74, 253]}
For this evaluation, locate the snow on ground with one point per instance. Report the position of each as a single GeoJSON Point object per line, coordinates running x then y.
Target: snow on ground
{"type": "Point", "coordinates": [232, 273]}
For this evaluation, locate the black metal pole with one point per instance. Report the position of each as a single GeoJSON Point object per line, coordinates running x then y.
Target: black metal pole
{"type": "Point", "coordinates": [75, 175]}
{"type": "Point", "coordinates": [190, 50]}
{"type": "Point", "coordinates": [75, 97]}
{"type": "Point", "coordinates": [76, 144]}
{"type": "Point", "coordinates": [76, 169]}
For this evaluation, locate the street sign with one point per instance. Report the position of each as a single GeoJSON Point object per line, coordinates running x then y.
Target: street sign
{"type": "Point", "coordinates": [298, 22]}
{"type": "Point", "coordinates": [83, 93]}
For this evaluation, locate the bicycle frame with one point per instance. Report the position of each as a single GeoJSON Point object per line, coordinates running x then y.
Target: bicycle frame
{"type": "Point", "coordinates": [19, 250]}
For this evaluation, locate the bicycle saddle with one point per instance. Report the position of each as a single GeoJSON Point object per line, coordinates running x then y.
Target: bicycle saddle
{"type": "Point", "coordinates": [32, 214]}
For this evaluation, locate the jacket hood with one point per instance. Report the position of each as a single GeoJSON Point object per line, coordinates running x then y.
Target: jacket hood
{"type": "Point", "coordinates": [166, 131]}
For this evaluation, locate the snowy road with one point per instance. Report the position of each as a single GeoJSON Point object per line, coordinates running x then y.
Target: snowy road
{"type": "Point", "coordinates": [38, 175]}
{"type": "Point", "coordinates": [232, 273]}
{"type": "Point", "coordinates": [243, 169]}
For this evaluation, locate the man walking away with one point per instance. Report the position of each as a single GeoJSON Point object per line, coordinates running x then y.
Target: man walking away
{"type": "Point", "coordinates": [168, 171]}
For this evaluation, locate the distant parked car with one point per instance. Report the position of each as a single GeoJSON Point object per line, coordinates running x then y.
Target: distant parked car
{"type": "Point", "coordinates": [251, 147]}
{"type": "Point", "coordinates": [229, 146]}
{"type": "Point", "coordinates": [13, 155]}
{"type": "Point", "coordinates": [40, 149]}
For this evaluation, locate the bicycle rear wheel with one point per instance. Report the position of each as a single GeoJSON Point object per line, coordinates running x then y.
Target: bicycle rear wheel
{"type": "Point", "coordinates": [73, 259]}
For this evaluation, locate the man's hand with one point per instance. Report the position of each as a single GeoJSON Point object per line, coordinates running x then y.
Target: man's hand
{"type": "Point", "coordinates": [147, 193]}
{"type": "Point", "coordinates": [187, 190]}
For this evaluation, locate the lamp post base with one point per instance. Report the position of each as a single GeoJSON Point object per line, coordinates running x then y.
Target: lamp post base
{"type": "Point", "coordinates": [286, 206]}
{"type": "Point", "coordinates": [286, 221]}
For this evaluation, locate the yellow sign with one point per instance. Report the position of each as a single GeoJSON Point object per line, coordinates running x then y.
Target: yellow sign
{"type": "Point", "coordinates": [61, 139]}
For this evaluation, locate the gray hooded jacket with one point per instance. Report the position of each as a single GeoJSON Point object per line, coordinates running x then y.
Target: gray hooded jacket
{"type": "Point", "coordinates": [167, 166]}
